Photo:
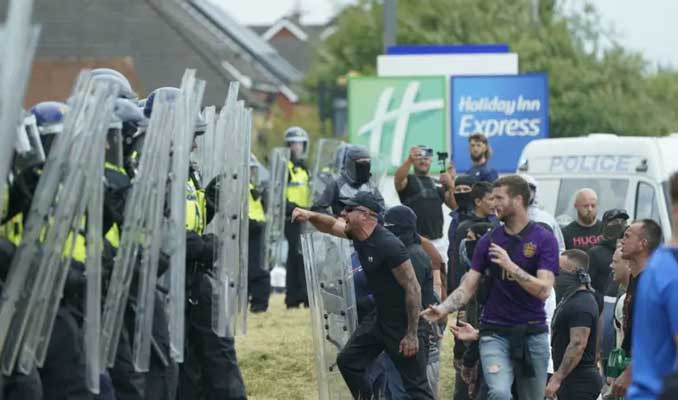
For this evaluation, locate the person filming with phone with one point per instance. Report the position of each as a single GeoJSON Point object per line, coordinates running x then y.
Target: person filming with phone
{"type": "Point", "coordinates": [425, 195]}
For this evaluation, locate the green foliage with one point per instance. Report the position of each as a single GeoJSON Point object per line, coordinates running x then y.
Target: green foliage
{"type": "Point", "coordinates": [593, 88]}
{"type": "Point", "coordinates": [271, 132]}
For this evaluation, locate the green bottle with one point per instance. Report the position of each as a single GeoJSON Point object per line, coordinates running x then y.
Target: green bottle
{"type": "Point", "coordinates": [616, 364]}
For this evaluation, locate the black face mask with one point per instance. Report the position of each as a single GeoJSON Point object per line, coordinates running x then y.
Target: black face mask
{"type": "Point", "coordinates": [406, 235]}
{"type": "Point", "coordinates": [613, 230]}
{"type": "Point", "coordinates": [362, 171]}
{"type": "Point", "coordinates": [568, 283]}
{"type": "Point", "coordinates": [464, 200]}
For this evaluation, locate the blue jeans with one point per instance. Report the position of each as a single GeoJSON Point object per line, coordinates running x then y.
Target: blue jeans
{"type": "Point", "coordinates": [498, 368]}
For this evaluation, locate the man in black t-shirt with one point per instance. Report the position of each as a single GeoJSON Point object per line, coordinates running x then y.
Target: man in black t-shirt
{"type": "Point", "coordinates": [585, 231]}
{"type": "Point", "coordinates": [394, 327]}
{"type": "Point", "coordinates": [422, 193]}
{"type": "Point", "coordinates": [574, 333]}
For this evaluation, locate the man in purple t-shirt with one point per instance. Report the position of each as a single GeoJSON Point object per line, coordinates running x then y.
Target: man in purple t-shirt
{"type": "Point", "coordinates": [513, 271]}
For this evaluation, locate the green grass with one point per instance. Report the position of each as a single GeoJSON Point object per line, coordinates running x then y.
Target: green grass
{"type": "Point", "coordinates": [276, 355]}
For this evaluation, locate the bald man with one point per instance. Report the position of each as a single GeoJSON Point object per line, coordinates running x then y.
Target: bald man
{"type": "Point", "coordinates": [586, 231]}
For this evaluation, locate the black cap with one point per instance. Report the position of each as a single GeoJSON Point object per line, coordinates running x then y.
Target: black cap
{"type": "Point", "coordinates": [367, 200]}
{"type": "Point", "coordinates": [615, 213]}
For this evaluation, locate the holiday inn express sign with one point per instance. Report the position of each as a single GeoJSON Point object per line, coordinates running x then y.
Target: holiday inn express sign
{"type": "Point", "coordinates": [391, 114]}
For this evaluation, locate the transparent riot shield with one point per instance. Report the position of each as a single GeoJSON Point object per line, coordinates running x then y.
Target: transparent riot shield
{"type": "Point", "coordinates": [327, 166]}
{"type": "Point", "coordinates": [144, 212]}
{"type": "Point", "coordinates": [240, 276]}
{"type": "Point", "coordinates": [19, 39]}
{"type": "Point", "coordinates": [54, 221]}
{"type": "Point", "coordinates": [228, 220]}
{"type": "Point", "coordinates": [331, 295]}
{"type": "Point", "coordinates": [187, 107]}
{"type": "Point", "coordinates": [274, 234]}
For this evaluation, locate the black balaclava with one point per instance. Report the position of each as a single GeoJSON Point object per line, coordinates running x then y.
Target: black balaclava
{"type": "Point", "coordinates": [568, 282]}
{"type": "Point", "coordinates": [357, 172]}
{"type": "Point", "coordinates": [402, 222]}
{"type": "Point", "coordinates": [464, 200]}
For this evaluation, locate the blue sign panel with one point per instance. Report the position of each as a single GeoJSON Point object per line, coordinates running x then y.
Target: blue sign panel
{"type": "Point", "coordinates": [447, 49]}
{"type": "Point", "coordinates": [511, 110]}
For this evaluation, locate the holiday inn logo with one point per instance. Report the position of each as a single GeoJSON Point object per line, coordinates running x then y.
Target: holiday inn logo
{"type": "Point", "coordinates": [390, 115]}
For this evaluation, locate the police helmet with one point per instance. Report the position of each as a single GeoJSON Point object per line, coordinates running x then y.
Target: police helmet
{"type": "Point", "coordinates": [49, 117]}
{"type": "Point", "coordinates": [115, 77]}
{"type": "Point", "coordinates": [296, 134]}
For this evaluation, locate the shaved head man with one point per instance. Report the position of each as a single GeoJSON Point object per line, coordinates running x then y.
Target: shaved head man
{"type": "Point", "coordinates": [586, 204]}
{"type": "Point", "coordinates": [586, 231]}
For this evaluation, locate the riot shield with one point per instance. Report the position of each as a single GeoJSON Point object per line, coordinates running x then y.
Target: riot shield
{"type": "Point", "coordinates": [187, 107]}
{"type": "Point", "coordinates": [37, 275]}
{"type": "Point", "coordinates": [274, 235]}
{"type": "Point", "coordinates": [19, 39]}
{"type": "Point", "coordinates": [331, 296]}
{"type": "Point", "coordinates": [327, 166]}
{"type": "Point", "coordinates": [240, 277]}
{"type": "Point", "coordinates": [226, 290]}
{"type": "Point", "coordinates": [143, 216]}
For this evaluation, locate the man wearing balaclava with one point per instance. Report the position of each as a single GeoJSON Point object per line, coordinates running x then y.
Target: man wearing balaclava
{"type": "Point", "coordinates": [600, 255]}
{"type": "Point", "coordinates": [355, 177]}
{"type": "Point", "coordinates": [463, 185]}
{"type": "Point", "coordinates": [574, 332]}
{"type": "Point", "coordinates": [402, 222]}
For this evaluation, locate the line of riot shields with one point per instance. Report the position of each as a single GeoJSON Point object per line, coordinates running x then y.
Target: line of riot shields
{"type": "Point", "coordinates": [67, 214]}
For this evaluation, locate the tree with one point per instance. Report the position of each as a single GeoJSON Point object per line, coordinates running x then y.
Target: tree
{"type": "Point", "coordinates": [593, 88]}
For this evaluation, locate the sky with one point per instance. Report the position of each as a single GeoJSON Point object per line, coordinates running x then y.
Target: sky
{"type": "Point", "coordinates": [648, 26]}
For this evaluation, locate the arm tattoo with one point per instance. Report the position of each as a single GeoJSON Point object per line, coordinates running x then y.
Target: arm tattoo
{"type": "Point", "coordinates": [575, 349]}
{"type": "Point", "coordinates": [456, 300]}
{"type": "Point", "coordinates": [407, 279]}
{"type": "Point", "coordinates": [520, 275]}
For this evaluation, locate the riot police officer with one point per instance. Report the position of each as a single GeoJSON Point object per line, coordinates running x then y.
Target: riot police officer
{"type": "Point", "coordinates": [298, 194]}
{"type": "Point", "coordinates": [258, 278]}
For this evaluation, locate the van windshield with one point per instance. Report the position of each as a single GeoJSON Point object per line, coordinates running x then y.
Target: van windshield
{"type": "Point", "coordinates": [611, 194]}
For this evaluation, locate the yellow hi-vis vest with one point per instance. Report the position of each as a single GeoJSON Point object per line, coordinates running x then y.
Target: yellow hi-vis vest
{"type": "Point", "coordinates": [298, 191]}
{"type": "Point", "coordinates": [256, 208]}
{"type": "Point", "coordinates": [13, 229]}
{"type": "Point", "coordinates": [196, 212]}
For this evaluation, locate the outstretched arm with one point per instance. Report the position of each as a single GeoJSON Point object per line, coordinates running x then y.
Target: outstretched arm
{"type": "Point", "coordinates": [322, 222]}
{"type": "Point", "coordinates": [456, 299]}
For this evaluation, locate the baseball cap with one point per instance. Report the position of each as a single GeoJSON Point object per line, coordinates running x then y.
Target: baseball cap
{"type": "Point", "coordinates": [367, 200]}
{"type": "Point", "coordinates": [615, 213]}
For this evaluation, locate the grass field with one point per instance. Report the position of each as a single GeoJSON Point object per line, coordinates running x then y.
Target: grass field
{"type": "Point", "coordinates": [276, 355]}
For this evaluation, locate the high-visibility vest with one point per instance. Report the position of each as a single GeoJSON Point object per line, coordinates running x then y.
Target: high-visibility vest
{"type": "Point", "coordinates": [298, 191]}
{"type": "Point", "coordinates": [195, 208]}
{"type": "Point", "coordinates": [256, 208]}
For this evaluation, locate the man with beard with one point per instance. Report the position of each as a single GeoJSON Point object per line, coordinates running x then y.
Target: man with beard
{"type": "Point", "coordinates": [584, 232]}
{"type": "Point", "coordinates": [640, 240]}
{"type": "Point", "coordinates": [481, 152]}
{"type": "Point", "coordinates": [425, 195]}
{"type": "Point", "coordinates": [517, 263]}
{"type": "Point", "coordinates": [392, 280]}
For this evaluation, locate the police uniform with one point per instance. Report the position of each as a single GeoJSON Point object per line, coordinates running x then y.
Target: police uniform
{"type": "Point", "coordinates": [259, 279]}
{"type": "Point", "coordinates": [210, 369]}
{"type": "Point", "coordinates": [298, 194]}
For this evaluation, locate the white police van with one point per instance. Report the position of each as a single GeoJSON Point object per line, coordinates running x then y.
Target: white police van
{"type": "Point", "coordinates": [628, 172]}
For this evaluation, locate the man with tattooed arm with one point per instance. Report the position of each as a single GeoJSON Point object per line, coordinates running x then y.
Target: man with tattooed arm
{"type": "Point", "coordinates": [391, 279]}
{"type": "Point", "coordinates": [514, 267]}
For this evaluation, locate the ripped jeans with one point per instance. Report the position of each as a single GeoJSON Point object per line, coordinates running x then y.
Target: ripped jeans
{"type": "Point", "coordinates": [498, 368]}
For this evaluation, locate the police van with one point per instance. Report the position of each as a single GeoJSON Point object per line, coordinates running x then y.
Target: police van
{"type": "Point", "coordinates": [625, 171]}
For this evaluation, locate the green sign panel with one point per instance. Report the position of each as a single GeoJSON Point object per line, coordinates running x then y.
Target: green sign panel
{"type": "Point", "coordinates": [390, 115]}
